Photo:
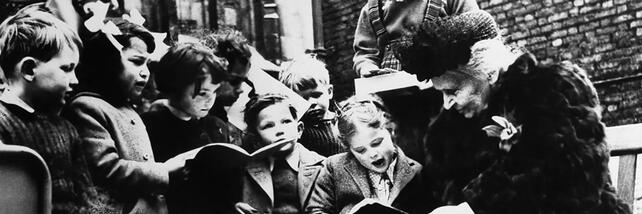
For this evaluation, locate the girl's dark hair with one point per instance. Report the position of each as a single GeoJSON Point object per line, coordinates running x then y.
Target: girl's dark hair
{"type": "Point", "coordinates": [100, 63]}
{"type": "Point", "coordinates": [367, 109]}
{"type": "Point", "coordinates": [185, 64]}
{"type": "Point", "coordinates": [260, 102]}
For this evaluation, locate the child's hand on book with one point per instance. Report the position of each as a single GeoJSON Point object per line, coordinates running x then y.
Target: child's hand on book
{"type": "Point", "coordinates": [244, 208]}
{"type": "Point", "coordinates": [178, 162]}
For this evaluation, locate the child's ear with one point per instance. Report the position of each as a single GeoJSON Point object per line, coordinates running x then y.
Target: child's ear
{"type": "Point", "coordinates": [299, 128]}
{"type": "Point", "coordinates": [26, 68]}
{"type": "Point", "coordinates": [330, 91]}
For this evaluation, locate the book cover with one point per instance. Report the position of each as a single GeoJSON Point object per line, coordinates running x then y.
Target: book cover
{"type": "Point", "coordinates": [235, 155]}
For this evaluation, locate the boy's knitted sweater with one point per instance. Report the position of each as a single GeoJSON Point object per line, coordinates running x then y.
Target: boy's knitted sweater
{"type": "Point", "coordinates": [321, 139]}
{"type": "Point", "coordinates": [57, 141]}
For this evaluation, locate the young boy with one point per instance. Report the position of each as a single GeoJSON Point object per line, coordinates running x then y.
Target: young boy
{"type": "Point", "coordinates": [309, 78]}
{"type": "Point", "coordinates": [283, 182]}
{"type": "Point", "coordinates": [39, 55]}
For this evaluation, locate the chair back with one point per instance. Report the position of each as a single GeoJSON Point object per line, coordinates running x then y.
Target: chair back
{"type": "Point", "coordinates": [25, 183]}
{"type": "Point", "coordinates": [625, 142]}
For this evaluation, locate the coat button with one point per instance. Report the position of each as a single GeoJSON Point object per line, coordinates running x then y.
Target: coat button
{"type": "Point", "coordinates": [146, 157]}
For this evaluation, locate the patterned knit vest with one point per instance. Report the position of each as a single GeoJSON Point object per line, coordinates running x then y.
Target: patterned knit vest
{"type": "Point", "coordinates": [57, 141]}
{"type": "Point", "coordinates": [284, 178]}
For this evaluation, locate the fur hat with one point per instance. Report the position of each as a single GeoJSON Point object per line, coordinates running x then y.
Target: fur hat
{"type": "Point", "coordinates": [445, 44]}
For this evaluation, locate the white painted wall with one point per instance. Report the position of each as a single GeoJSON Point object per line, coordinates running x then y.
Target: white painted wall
{"type": "Point", "coordinates": [296, 26]}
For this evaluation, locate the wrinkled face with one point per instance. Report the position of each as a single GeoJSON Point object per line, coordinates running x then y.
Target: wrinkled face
{"type": "Point", "coordinates": [462, 92]}
{"type": "Point", "coordinates": [198, 103]}
{"type": "Point", "coordinates": [319, 97]}
{"type": "Point", "coordinates": [275, 124]}
{"type": "Point", "coordinates": [135, 72]}
{"type": "Point", "coordinates": [52, 80]}
{"type": "Point", "coordinates": [372, 147]}
{"type": "Point", "coordinates": [230, 91]}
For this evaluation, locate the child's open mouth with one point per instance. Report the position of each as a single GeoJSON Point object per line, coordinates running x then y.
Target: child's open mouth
{"type": "Point", "coordinates": [378, 163]}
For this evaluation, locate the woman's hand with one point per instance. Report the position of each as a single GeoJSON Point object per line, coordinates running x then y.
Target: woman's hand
{"type": "Point", "coordinates": [244, 208]}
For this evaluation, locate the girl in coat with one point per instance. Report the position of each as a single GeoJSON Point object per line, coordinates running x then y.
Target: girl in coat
{"type": "Point", "coordinates": [112, 73]}
{"type": "Point", "coordinates": [374, 168]}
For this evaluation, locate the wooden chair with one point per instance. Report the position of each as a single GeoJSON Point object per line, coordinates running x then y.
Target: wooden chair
{"type": "Point", "coordinates": [25, 183]}
{"type": "Point", "coordinates": [625, 142]}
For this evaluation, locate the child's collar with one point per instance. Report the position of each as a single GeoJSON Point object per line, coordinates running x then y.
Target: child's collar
{"type": "Point", "coordinates": [11, 97]}
{"type": "Point", "coordinates": [180, 114]}
{"type": "Point", "coordinates": [292, 159]}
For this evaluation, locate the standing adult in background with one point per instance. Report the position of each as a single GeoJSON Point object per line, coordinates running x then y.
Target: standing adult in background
{"type": "Point", "coordinates": [382, 24]}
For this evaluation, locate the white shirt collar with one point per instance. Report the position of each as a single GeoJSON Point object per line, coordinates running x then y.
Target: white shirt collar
{"type": "Point", "coordinates": [292, 159]}
{"type": "Point", "coordinates": [391, 169]}
{"type": "Point", "coordinates": [11, 97]}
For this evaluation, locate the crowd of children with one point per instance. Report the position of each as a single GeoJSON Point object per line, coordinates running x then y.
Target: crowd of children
{"type": "Point", "coordinates": [73, 101]}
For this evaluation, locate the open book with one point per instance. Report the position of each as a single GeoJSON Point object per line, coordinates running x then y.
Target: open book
{"type": "Point", "coordinates": [372, 206]}
{"type": "Point", "coordinates": [233, 154]}
{"type": "Point", "coordinates": [389, 82]}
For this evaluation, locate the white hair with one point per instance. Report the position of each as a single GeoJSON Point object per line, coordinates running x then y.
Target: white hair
{"type": "Point", "coordinates": [488, 58]}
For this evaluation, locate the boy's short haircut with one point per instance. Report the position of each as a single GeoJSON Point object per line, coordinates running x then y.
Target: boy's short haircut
{"type": "Point", "coordinates": [36, 33]}
{"type": "Point", "coordinates": [260, 102]}
{"type": "Point", "coordinates": [185, 64]}
{"type": "Point", "coordinates": [304, 73]}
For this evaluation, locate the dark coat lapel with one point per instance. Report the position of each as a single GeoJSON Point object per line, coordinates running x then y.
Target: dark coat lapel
{"type": "Point", "coordinates": [260, 172]}
{"type": "Point", "coordinates": [309, 168]}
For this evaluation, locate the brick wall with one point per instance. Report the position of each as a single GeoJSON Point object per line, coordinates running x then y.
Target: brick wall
{"type": "Point", "coordinates": [339, 22]}
{"type": "Point", "coordinates": [602, 36]}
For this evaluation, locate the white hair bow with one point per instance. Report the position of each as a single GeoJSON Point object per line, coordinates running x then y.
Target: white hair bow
{"type": "Point", "coordinates": [97, 22]}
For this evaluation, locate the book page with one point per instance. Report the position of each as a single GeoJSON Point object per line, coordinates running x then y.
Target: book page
{"type": "Point", "coordinates": [369, 205]}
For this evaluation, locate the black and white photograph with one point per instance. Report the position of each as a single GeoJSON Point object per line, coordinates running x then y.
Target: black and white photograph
{"type": "Point", "coordinates": [320, 106]}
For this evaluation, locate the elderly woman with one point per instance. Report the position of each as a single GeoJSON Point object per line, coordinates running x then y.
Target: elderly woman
{"type": "Point", "coordinates": [555, 161]}
{"type": "Point", "coordinates": [463, 56]}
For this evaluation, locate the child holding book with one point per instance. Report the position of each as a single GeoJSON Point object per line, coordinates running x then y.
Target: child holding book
{"type": "Point", "coordinates": [309, 78]}
{"type": "Point", "coordinates": [281, 183]}
{"type": "Point", "coordinates": [112, 74]}
{"type": "Point", "coordinates": [189, 76]}
{"type": "Point", "coordinates": [374, 168]}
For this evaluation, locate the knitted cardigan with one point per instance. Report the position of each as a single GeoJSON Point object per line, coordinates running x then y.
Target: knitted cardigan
{"type": "Point", "coordinates": [56, 140]}
{"type": "Point", "coordinates": [399, 18]}
{"type": "Point", "coordinates": [320, 138]}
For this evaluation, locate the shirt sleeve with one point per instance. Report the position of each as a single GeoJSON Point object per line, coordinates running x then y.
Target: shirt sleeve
{"type": "Point", "coordinates": [106, 166]}
{"type": "Point", "coordinates": [455, 7]}
{"type": "Point", "coordinates": [366, 51]}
